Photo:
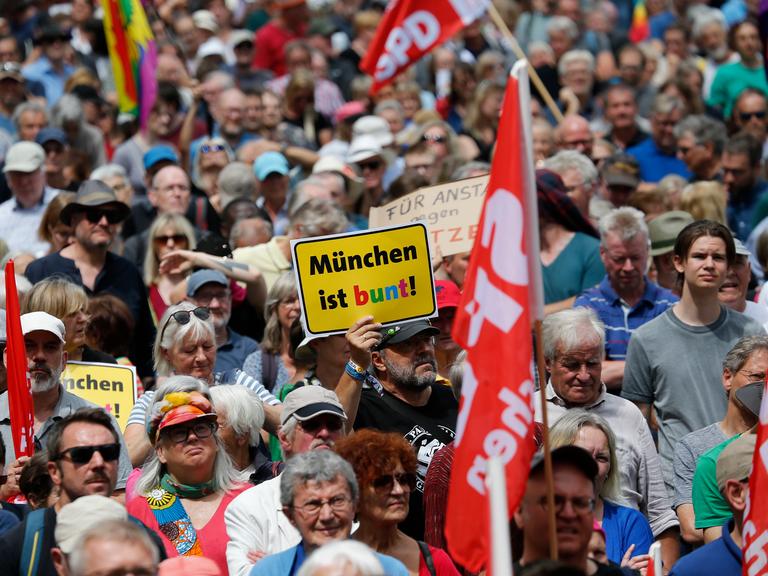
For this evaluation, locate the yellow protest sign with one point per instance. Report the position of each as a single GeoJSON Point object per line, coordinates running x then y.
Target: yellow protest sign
{"type": "Point", "coordinates": [386, 273]}
{"type": "Point", "coordinates": [111, 386]}
{"type": "Point", "coordinates": [451, 212]}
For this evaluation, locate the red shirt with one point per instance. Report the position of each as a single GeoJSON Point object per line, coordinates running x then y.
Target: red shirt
{"type": "Point", "coordinates": [270, 42]}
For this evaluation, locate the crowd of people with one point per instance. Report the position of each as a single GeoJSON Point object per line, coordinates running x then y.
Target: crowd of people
{"type": "Point", "coordinates": [253, 449]}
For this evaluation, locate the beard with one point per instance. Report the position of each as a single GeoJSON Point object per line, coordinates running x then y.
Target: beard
{"type": "Point", "coordinates": [39, 384]}
{"type": "Point", "coordinates": [406, 376]}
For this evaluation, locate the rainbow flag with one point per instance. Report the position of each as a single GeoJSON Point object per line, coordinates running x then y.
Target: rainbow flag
{"type": "Point", "coordinates": [133, 53]}
{"type": "Point", "coordinates": [639, 30]}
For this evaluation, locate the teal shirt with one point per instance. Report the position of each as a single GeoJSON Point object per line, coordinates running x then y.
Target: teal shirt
{"type": "Point", "coordinates": [575, 269]}
{"type": "Point", "coordinates": [730, 80]}
{"type": "Point", "coordinates": [709, 506]}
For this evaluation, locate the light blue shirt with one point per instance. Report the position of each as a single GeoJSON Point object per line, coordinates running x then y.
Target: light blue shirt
{"type": "Point", "coordinates": [53, 81]}
{"type": "Point", "coordinates": [18, 226]}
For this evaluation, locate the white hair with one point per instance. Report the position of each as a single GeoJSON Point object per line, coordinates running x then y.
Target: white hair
{"type": "Point", "coordinates": [170, 333]}
{"type": "Point", "coordinates": [563, 24]}
{"type": "Point", "coordinates": [341, 555]}
{"type": "Point", "coordinates": [571, 159]}
{"type": "Point", "coordinates": [575, 56]}
{"type": "Point", "coordinates": [242, 410]}
{"type": "Point", "coordinates": [109, 171]}
{"type": "Point", "coordinates": [626, 222]}
{"type": "Point", "coordinates": [705, 17]}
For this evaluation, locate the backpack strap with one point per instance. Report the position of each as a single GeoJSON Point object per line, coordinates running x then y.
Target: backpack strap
{"type": "Point", "coordinates": [427, 555]}
{"type": "Point", "coordinates": [268, 370]}
{"type": "Point", "coordinates": [33, 542]}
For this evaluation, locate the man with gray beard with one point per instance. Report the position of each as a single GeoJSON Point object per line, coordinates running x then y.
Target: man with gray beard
{"type": "Point", "coordinates": [409, 401]}
{"type": "Point", "coordinates": [44, 337]}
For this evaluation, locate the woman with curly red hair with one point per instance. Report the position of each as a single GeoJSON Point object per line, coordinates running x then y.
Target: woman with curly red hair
{"type": "Point", "coordinates": [385, 466]}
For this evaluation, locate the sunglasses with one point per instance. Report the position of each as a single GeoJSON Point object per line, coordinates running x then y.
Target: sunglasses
{"type": "Point", "coordinates": [373, 165]}
{"type": "Point", "coordinates": [83, 454]}
{"type": "Point", "coordinates": [314, 425]}
{"type": "Point", "coordinates": [177, 239]}
{"type": "Point", "coordinates": [94, 216]}
{"type": "Point", "coordinates": [184, 316]}
{"type": "Point", "coordinates": [201, 430]}
{"type": "Point", "coordinates": [434, 138]}
{"type": "Point", "coordinates": [747, 116]}
{"type": "Point", "coordinates": [386, 482]}
{"type": "Point", "coordinates": [206, 148]}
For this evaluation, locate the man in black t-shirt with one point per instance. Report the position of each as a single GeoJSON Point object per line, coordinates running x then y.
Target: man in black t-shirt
{"type": "Point", "coordinates": [409, 403]}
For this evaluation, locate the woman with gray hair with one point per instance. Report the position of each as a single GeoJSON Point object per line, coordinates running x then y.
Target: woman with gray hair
{"type": "Point", "coordinates": [344, 557]}
{"type": "Point", "coordinates": [186, 344]}
{"type": "Point", "coordinates": [241, 416]}
{"type": "Point", "coordinates": [627, 532]}
{"type": "Point", "coordinates": [188, 480]}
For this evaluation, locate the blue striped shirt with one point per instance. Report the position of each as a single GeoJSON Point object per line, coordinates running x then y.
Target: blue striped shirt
{"type": "Point", "coordinates": [620, 320]}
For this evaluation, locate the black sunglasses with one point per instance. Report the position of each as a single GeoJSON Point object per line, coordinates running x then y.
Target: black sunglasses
{"type": "Point", "coordinates": [83, 454]}
{"type": "Point", "coordinates": [94, 216]}
{"type": "Point", "coordinates": [177, 238]}
{"type": "Point", "coordinates": [434, 138]}
{"type": "Point", "coordinates": [184, 316]}
{"type": "Point", "coordinates": [313, 425]}
{"type": "Point", "coordinates": [206, 148]}
{"type": "Point", "coordinates": [372, 165]}
{"type": "Point", "coordinates": [386, 482]}
{"type": "Point", "coordinates": [746, 116]}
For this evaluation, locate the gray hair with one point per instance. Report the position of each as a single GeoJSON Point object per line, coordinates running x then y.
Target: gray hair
{"type": "Point", "coordinates": [236, 232]}
{"type": "Point", "coordinates": [666, 104]}
{"type": "Point", "coordinates": [118, 531]}
{"type": "Point", "coordinates": [318, 217]}
{"type": "Point", "coordinates": [704, 130]}
{"type": "Point", "coordinates": [706, 17]}
{"type": "Point", "coordinates": [575, 56]}
{"type": "Point", "coordinates": [569, 328]}
{"type": "Point", "coordinates": [456, 375]}
{"type": "Point", "coordinates": [283, 287]}
{"type": "Point", "coordinates": [224, 476]}
{"type": "Point", "coordinates": [571, 159]}
{"type": "Point", "coordinates": [565, 432]}
{"type": "Point", "coordinates": [109, 171]}
{"type": "Point", "coordinates": [178, 223]}
{"type": "Point", "coordinates": [317, 466]}
{"type": "Point", "coordinates": [537, 46]}
{"type": "Point", "coordinates": [25, 107]}
{"type": "Point", "coordinates": [388, 105]}
{"type": "Point", "coordinates": [236, 180]}
{"type": "Point", "coordinates": [170, 333]}
{"type": "Point", "coordinates": [626, 222]}
{"type": "Point", "coordinates": [466, 170]}
{"type": "Point", "coordinates": [67, 109]}
{"type": "Point", "coordinates": [563, 24]}
{"type": "Point", "coordinates": [341, 555]}
{"type": "Point", "coordinates": [241, 408]}
{"type": "Point", "coordinates": [742, 350]}
{"type": "Point", "coordinates": [300, 196]}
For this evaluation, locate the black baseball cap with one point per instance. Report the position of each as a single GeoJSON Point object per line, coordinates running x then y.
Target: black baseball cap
{"type": "Point", "coordinates": [402, 332]}
{"type": "Point", "coordinates": [569, 454]}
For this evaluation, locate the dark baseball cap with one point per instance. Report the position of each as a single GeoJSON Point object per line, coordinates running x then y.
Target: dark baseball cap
{"type": "Point", "coordinates": [402, 332]}
{"type": "Point", "coordinates": [621, 170]}
{"type": "Point", "coordinates": [570, 454]}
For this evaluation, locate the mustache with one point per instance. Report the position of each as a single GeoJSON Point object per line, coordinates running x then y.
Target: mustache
{"type": "Point", "coordinates": [425, 358]}
{"type": "Point", "coordinates": [42, 367]}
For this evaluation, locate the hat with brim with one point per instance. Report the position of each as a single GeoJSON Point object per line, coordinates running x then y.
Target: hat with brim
{"type": "Point", "coordinates": [735, 461]}
{"type": "Point", "coordinates": [402, 332]}
{"type": "Point", "coordinates": [42, 322]}
{"type": "Point", "coordinates": [618, 178]}
{"type": "Point", "coordinates": [270, 163]}
{"type": "Point", "coordinates": [24, 157]}
{"type": "Point", "coordinates": [337, 165]}
{"type": "Point", "coordinates": [569, 454]}
{"type": "Point", "coordinates": [750, 396]}
{"type": "Point", "coordinates": [741, 250]}
{"type": "Point", "coordinates": [200, 278]}
{"type": "Point", "coordinates": [92, 194]}
{"type": "Point", "coordinates": [81, 515]}
{"type": "Point", "coordinates": [663, 230]}
{"type": "Point", "coordinates": [237, 37]}
{"type": "Point", "coordinates": [177, 408]}
{"type": "Point", "coordinates": [306, 402]}
{"type": "Point", "coordinates": [11, 70]}
{"type": "Point", "coordinates": [447, 293]}
{"type": "Point", "coordinates": [365, 148]}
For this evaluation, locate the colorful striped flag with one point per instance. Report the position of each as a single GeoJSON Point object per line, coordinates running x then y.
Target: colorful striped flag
{"type": "Point", "coordinates": [133, 53]}
{"type": "Point", "coordinates": [640, 29]}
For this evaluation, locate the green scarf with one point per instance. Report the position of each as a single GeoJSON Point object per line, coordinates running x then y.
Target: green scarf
{"type": "Point", "coordinates": [191, 491]}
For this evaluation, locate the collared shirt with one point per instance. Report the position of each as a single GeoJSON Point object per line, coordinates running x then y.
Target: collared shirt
{"type": "Point", "coordinates": [620, 319]}
{"type": "Point", "coordinates": [67, 404]}
{"type": "Point", "coordinates": [720, 557]}
{"type": "Point", "coordinates": [232, 354]}
{"type": "Point", "coordinates": [642, 485]}
{"type": "Point", "coordinates": [53, 82]}
{"type": "Point", "coordinates": [19, 225]}
{"type": "Point", "coordinates": [655, 164]}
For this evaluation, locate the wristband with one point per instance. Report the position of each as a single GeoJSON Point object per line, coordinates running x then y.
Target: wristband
{"type": "Point", "coordinates": [354, 371]}
{"type": "Point", "coordinates": [356, 367]}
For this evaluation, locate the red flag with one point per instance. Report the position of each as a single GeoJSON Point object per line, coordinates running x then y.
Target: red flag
{"type": "Point", "coordinates": [19, 396]}
{"type": "Point", "coordinates": [755, 529]}
{"type": "Point", "coordinates": [410, 29]}
{"type": "Point", "coordinates": [492, 324]}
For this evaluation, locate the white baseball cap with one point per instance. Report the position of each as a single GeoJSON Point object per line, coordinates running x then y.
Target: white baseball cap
{"type": "Point", "coordinates": [24, 157]}
{"type": "Point", "coordinates": [34, 321]}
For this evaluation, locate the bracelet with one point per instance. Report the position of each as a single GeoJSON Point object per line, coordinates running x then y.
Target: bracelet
{"type": "Point", "coordinates": [352, 372]}
{"type": "Point", "coordinates": [356, 367]}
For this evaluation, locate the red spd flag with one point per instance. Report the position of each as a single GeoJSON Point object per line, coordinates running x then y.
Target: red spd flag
{"type": "Point", "coordinates": [410, 29]}
{"type": "Point", "coordinates": [493, 325]}
{"type": "Point", "coordinates": [19, 395]}
{"type": "Point", "coordinates": [755, 529]}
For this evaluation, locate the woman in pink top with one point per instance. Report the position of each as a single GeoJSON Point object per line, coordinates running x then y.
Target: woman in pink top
{"type": "Point", "coordinates": [188, 481]}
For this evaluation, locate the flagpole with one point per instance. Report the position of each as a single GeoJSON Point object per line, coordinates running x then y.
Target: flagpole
{"type": "Point", "coordinates": [501, 549]}
{"type": "Point", "coordinates": [535, 78]}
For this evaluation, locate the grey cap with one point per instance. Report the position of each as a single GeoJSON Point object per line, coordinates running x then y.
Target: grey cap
{"type": "Point", "coordinates": [664, 229]}
{"type": "Point", "coordinates": [92, 194]}
{"type": "Point", "coordinates": [402, 332]}
{"type": "Point", "coordinates": [198, 279]}
{"type": "Point", "coordinates": [81, 515]}
{"type": "Point", "coordinates": [307, 402]}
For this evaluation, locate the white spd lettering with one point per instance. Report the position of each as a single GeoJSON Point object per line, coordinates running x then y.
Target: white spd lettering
{"type": "Point", "coordinates": [491, 304]}
{"type": "Point", "coordinates": [503, 225]}
{"type": "Point", "coordinates": [420, 28]}
{"type": "Point", "coordinates": [502, 442]}
{"type": "Point", "coordinates": [754, 554]}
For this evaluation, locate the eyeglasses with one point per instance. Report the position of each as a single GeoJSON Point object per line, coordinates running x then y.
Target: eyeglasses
{"type": "Point", "coordinates": [580, 505]}
{"type": "Point", "coordinates": [94, 216]}
{"type": "Point", "coordinates": [372, 165]}
{"type": "Point", "coordinates": [177, 239]}
{"type": "Point", "coordinates": [314, 425]}
{"type": "Point", "coordinates": [83, 454]}
{"type": "Point", "coordinates": [337, 503]}
{"type": "Point", "coordinates": [289, 301]}
{"type": "Point", "coordinates": [206, 148]}
{"type": "Point", "coordinates": [184, 316]}
{"type": "Point", "coordinates": [386, 482]}
{"type": "Point", "coordinates": [685, 149]}
{"type": "Point", "coordinates": [747, 116]}
{"type": "Point", "coordinates": [205, 298]}
{"type": "Point", "coordinates": [434, 138]}
{"type": "Point", "coordinates": [179, 434]}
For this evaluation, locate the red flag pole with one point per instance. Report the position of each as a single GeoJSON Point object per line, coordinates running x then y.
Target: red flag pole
{"type": "Point", "coordinates": [19, 396]}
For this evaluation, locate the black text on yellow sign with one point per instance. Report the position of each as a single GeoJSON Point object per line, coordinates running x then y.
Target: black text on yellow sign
{"type": "Point", "coordinates": [111, 386]}
{"type": "Point", "coordinates": [386, 273]}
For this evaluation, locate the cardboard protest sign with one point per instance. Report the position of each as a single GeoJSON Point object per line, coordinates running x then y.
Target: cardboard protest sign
{"type": "Point", "coordinates": [386, 273]}
{"type": "Point", "coordinates": [451, 212]}
{"type": "Point", "coordinates": [111, 386]}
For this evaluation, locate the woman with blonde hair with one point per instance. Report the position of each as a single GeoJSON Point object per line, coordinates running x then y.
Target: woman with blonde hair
{"type": "Point", "coordinates": [299, 109]}
{"type": "Point", "coordinates": [167, 233]}
{"type": "Point", "coordinates": [68, 302]}
{"type": "Point", "coordinates": [483, 117]}
{"type": "Point", "coordinates": [705, 201]}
